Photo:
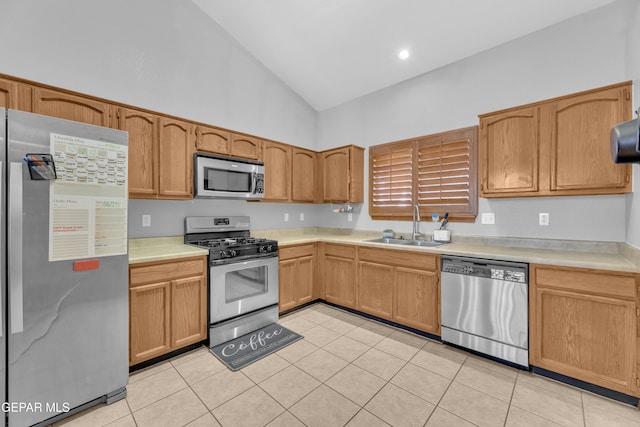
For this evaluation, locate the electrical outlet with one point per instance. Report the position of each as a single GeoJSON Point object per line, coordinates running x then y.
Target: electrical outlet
{"type": "Point", "coordinates": [543, 218]}
{"type": "Point", "coordinates": [146, 220]}
{"type": "Point", "coordinates": [301, 216]}
{"type": "Point", "coordinates": [286, 217]}
{"type": "Point", "coordinates": [489, 218]}
{"type": "Point", "coordinates": [349, 217]}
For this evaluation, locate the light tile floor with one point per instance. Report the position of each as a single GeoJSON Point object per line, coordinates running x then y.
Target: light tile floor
{"type": "Point", "coordinates": [355, 372]}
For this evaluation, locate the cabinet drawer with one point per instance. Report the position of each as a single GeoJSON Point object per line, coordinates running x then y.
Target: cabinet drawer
{"type": "Point", "coordinates": [343, 251]}
{"type": "Point", "coordinates": [163, 271]}
{"type": "Point", "coordinates": [612, 284]}
{"type": "Point", "coordinates": [422, 261]}
{"type": "Point", "coordinates": [296, 251]}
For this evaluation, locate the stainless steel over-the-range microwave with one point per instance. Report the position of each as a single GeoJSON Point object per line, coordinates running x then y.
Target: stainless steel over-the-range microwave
{"type": "Point", "coordinates": [228, 178]}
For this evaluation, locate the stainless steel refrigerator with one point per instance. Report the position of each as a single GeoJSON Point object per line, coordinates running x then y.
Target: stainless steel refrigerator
{"type": "Point", "coordinates": [64, 293]}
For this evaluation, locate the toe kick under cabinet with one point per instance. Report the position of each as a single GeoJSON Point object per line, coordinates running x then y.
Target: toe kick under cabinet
{"type": "Point", "coordinates": [584, 324]}
{"type": "Point", "coordinates": [167, 306]}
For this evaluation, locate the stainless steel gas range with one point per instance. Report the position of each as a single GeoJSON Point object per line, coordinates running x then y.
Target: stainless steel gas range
{"type": "Point", "coordinates": [243, 275]}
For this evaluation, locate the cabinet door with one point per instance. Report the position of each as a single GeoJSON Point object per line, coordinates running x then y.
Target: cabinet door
{"type": "Point", "coordinates": [70, 107]}
{"type": "Point", "coordinates": [176, 147]}
{"type": "Point", "coordinates": [277, 171]}
{"type": "Point", "coordinates": [588, 337]}
{"type": "Point", "coordinates": [8, 94]}
{"type": "Point", "coordinates": [335, 172]}
{"type": "Point", "coordinates": [306, 267]}
{"type": "Point", "coordinates": [246, 147]}
{"type": "Point", "coordinates": [149, 324]}
{"type": "Point", "coordinates": [303, 176]}
{"type": "Point", "coordinates": [288, 278]}
{"type": "Point", "coordinates": [579, 134]}
{"type": "Point", "coordinates": [375, 291]}
{"type": "Point", "coordinates": [188, 311]}
{"type": "Point", "coordinates": [143, 146]}
{"type": "Point", "coordinates": [212, 140]}
{"type": "Point", "coordinates": [418, 299]}
{"type": "Point", "coordinates": [509, 148]}
{"type": "Point", "coordinates": [339, 281]}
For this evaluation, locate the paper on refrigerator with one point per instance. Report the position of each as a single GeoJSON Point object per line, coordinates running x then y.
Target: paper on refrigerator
{"type": "Point", "coordinates": [88, 201]}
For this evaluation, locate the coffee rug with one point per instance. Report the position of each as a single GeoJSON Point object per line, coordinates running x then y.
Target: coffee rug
{"type": "Point", "coordinates": [244, 350]}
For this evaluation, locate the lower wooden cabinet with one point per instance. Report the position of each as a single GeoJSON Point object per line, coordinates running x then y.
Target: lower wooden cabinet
{"type": "Point", "coordinates": [167, 306]}
{"type": "Point", "coordinates": [583, 324]}
{"type": "Point", "coordinates": [339, 274]}
{"type": "Point", "coordinates": [297, 271]}
{"type": "Point", "coordinates": [402, 286]}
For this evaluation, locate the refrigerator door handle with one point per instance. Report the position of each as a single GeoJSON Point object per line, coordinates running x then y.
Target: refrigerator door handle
{"type": "Point", "coordinates": [1, 236]}
{"type": "Point", "coordinates": [16, 313]}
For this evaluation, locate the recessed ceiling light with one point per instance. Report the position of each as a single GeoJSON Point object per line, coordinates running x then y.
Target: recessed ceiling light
{"type": "Point", "coordinates": [403, 54]}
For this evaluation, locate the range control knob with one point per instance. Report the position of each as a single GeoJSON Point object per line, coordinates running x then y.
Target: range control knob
{"type": "Point", "coordinates": [270, 248]}
{"type": "Point", "coordinates": [223, 254]}
{"type": "Point", "coordinates": [233, 252]}
{"type": "Point", "coordinates": [262, 249]}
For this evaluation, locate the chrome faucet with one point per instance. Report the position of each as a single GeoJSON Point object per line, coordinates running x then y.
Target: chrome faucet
{"type": "Point", "coordinates": [416, 223]}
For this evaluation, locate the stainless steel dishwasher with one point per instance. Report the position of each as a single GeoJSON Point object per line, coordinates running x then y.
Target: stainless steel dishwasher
{"type": "Point", "coordinates": [485, 307]}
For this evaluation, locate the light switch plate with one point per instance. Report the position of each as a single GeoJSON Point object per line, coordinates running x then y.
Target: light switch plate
{"type": "Point", "coordinates": [349, 217]}
{"type": "Point", "coordinates": [146, 220]}
{"type": "Point", "coordinates": [286, 217]}
{"type": "Point", "coordinates": [301, 216]}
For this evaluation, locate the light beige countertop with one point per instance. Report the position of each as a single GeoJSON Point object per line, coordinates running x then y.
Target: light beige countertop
{"type": "Point", "coordinates": [598, 255]}
{"type": "Point", "coordinates": [161, 248]}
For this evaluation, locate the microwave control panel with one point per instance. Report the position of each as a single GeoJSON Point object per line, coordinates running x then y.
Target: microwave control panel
{"type": "Point", "coordinates": [259, 183]}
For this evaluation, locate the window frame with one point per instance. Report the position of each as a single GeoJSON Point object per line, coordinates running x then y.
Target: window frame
{"type": "Point", "coordinates": [460, 212]}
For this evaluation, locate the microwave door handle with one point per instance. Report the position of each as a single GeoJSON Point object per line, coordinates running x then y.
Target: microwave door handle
{"type": "Point", "coordinates": [254, 184]}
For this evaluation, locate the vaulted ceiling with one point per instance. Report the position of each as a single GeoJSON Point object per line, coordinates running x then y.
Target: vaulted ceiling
{"type": "Point", "coordinates": [332, 51]}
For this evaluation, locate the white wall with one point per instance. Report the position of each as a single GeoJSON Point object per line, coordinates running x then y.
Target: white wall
{"type": "Point", "coordinates": [167, 56]}
{"type": "Point", "coordinates": [582, 53]}
{"type": "Point", "coordinates": [633, 73]}
{"type": "Point", "coordinates": [170, 57]}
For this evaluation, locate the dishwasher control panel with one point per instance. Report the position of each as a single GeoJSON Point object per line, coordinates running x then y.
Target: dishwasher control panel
{"type": "Point", "coordinates": [490, 269]}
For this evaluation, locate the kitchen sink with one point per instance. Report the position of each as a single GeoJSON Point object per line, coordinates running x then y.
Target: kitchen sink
{"type": "Point", "coordinates": [425, 243]}
{"type": "Point", "coordinates": [391, 241]}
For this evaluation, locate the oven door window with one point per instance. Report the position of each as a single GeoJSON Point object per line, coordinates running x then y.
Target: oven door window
{"type": "Point", "coordinates": [225, 180]}
{"type": "Point", "coordinates": [245, 283]}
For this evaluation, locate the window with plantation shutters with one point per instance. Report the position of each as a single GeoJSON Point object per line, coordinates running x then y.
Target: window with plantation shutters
{"type": "Point", "coordinates": [391, 184]}
{"type": "Point", "coordinates": [436, 172]}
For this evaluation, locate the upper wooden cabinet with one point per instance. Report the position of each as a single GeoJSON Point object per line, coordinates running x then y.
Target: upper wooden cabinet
{"type": "Point", "coordinates": [143, 151]}
{"type": "Point", "coordinates": [509, 152]}
{"type": "Point", "coordinates": [8, 94]}
{"type": "Point", "coordinates": [277, 171]}
{"type": "Point", "coordinates": [304, 175]}
{"type": "Point", "coordinates": [558, 147]}
{"type": "Point", "coordinates": [71, 107]}
{"type": "Point", "coordinates": [246, 147]}
{"type": "Point", "coordinates": [579, 129]}
{"type": "Point", "coordinates": [175, 159]}
{"type": "Point", "coordinates": [583, 324]}
{"type": "Point", "coordinates": [212, 140]}
{"type": "Point", "coordinates": [343, 174]}
{"type": "Point", "coordinates": [290, 173]}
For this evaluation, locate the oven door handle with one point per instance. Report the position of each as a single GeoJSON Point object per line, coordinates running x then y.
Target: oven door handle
{"type": "Point", "coordinates": [243, 265]}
